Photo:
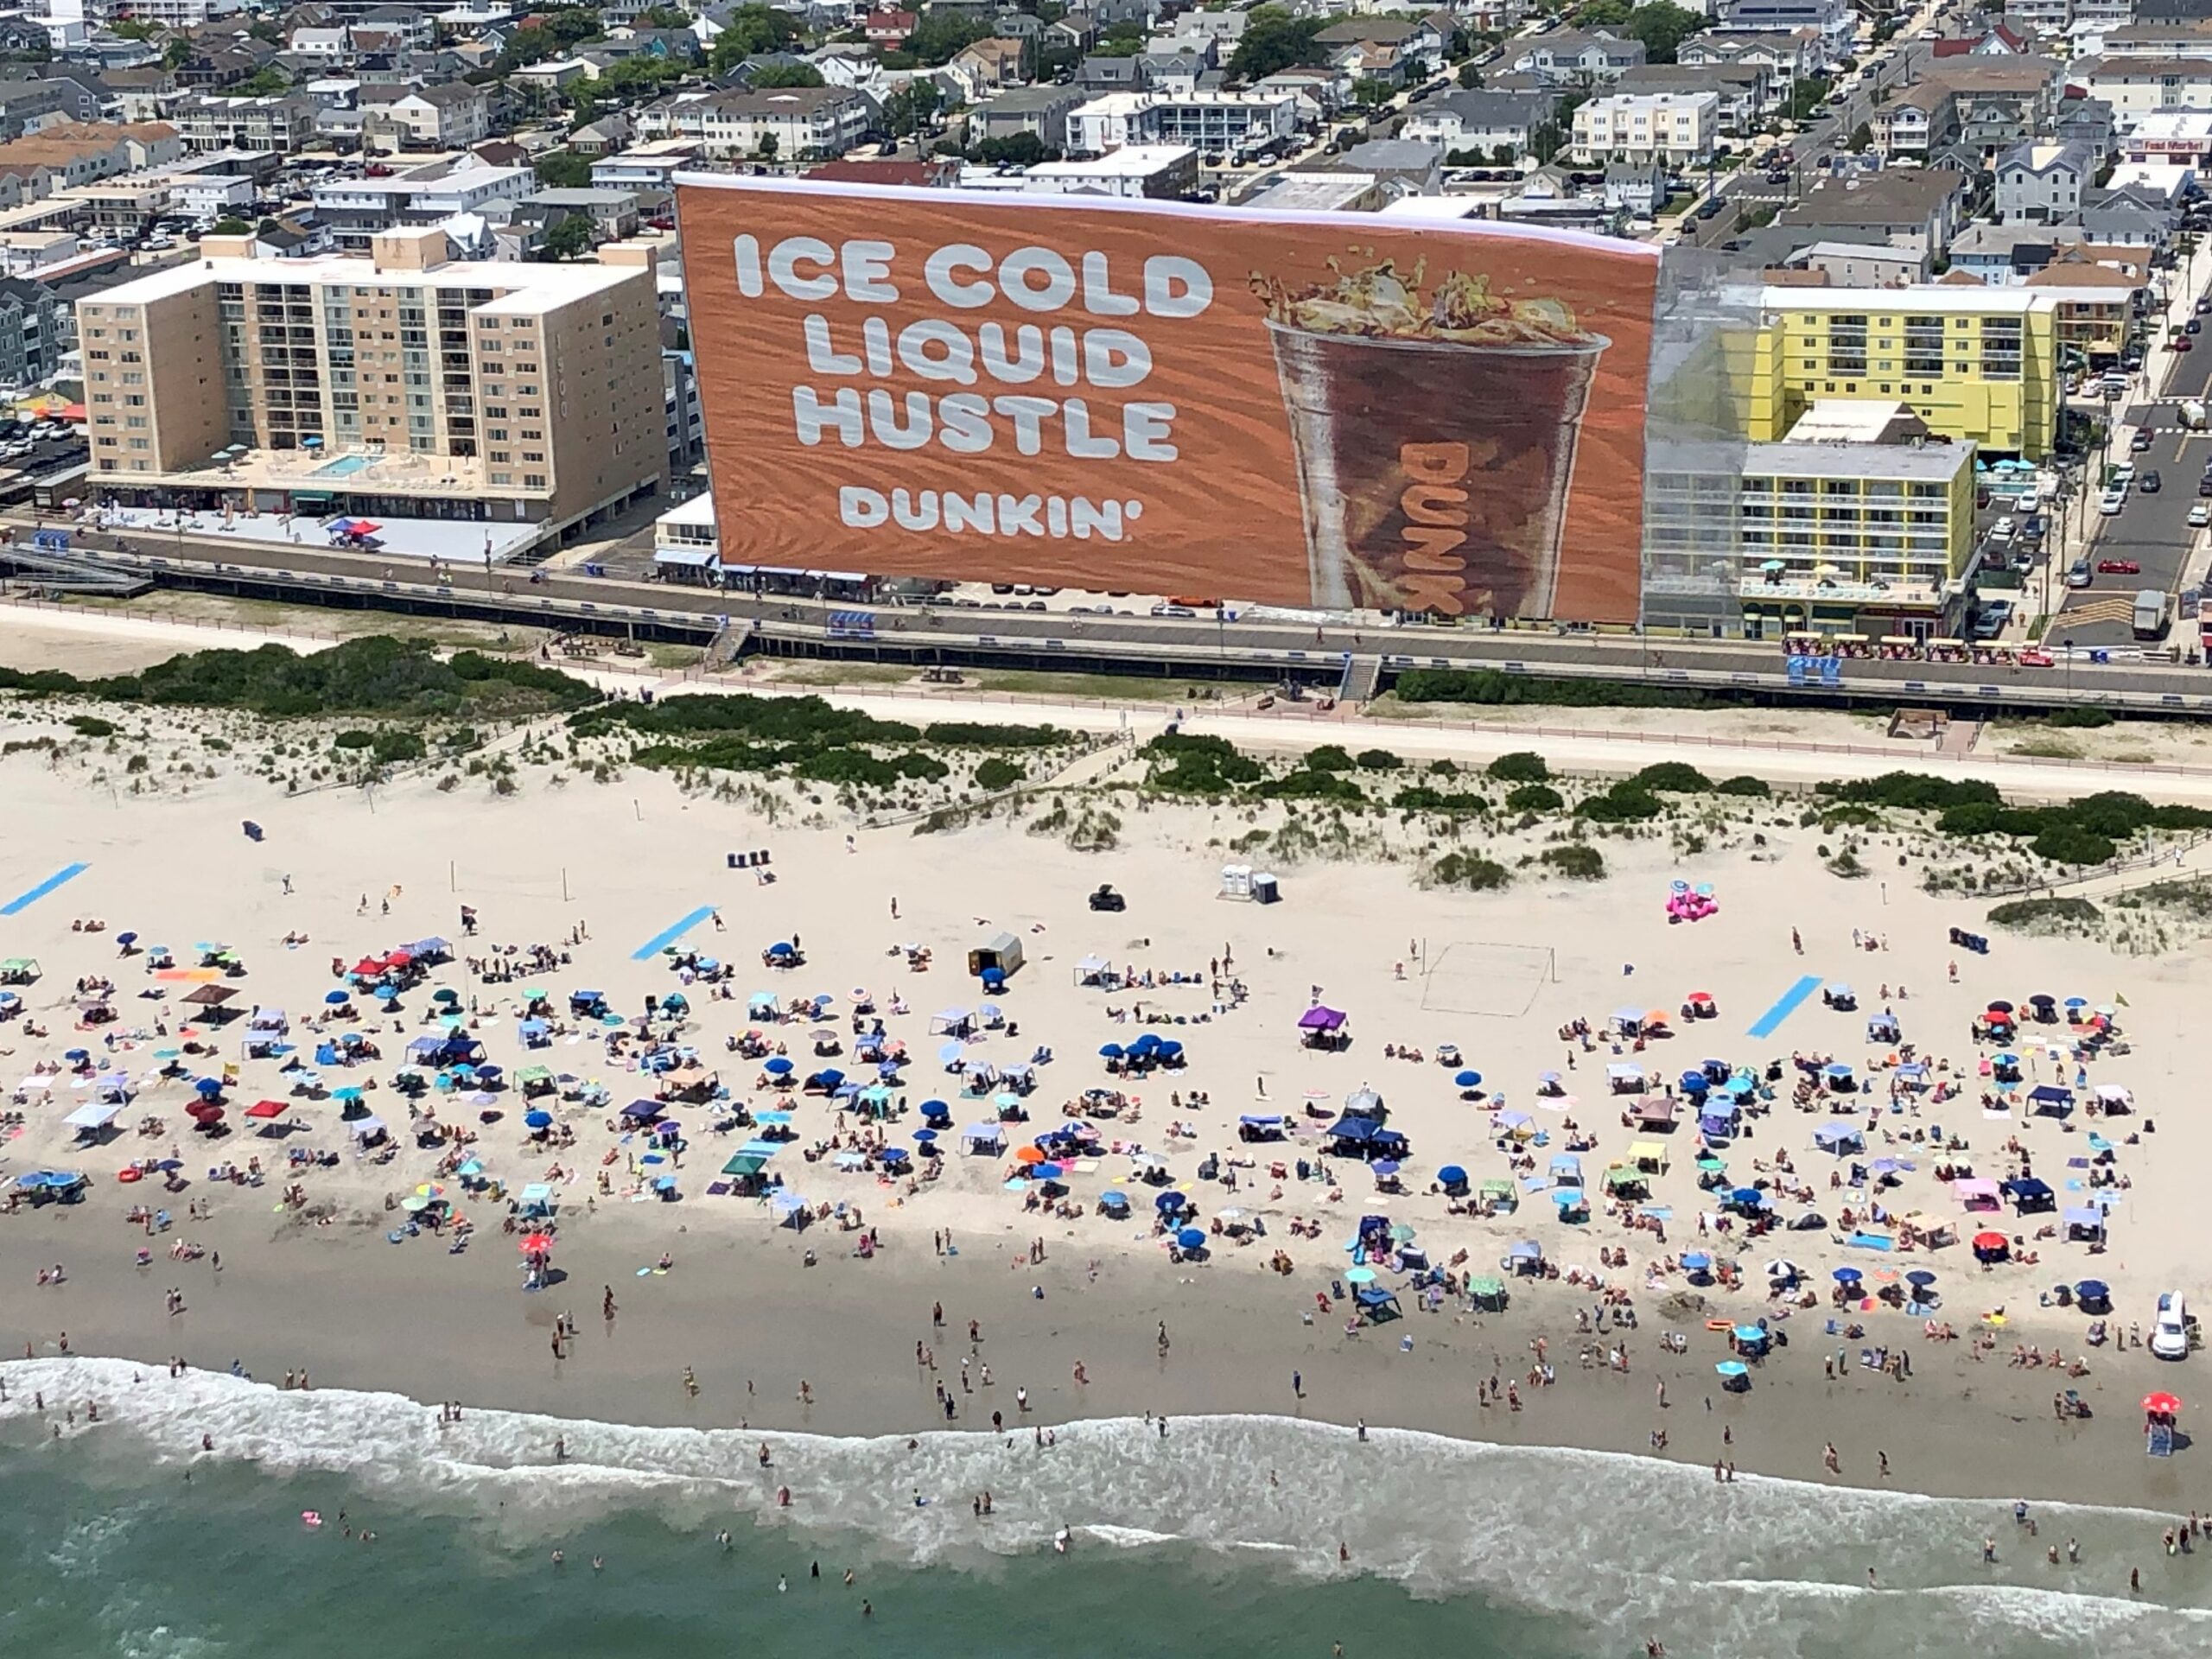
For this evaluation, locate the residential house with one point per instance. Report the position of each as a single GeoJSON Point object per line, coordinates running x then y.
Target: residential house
{"type": "Point", "coordinates": [1861, 264]}
{"type": "Point", "coordinates": [1915, 121]}
{"type": "Point", "coordinates": [1678, 128]}
{"type": "Point", "coordinates": [1408, 166]}
{"type": "Point", "coordinates": [2004, 256]}
{"type": "Point", "coordinates": [2135, 86]}
{"type": "Point", "coordinates": [1042, 110]}
{"type": "Point", "coordinates": [2086, 121]}
{"type": "Point", "coordinates": [1076, 32]}
{"type": "Point", "coordinates": [989, 65]}
{"type": "Point", "coordinates": [613, 214]}
{"type": "Point", "coordinates": [889, 30]}
{"type": "Point", "coordinates": [282, 125]}
{"type": "Point", "coordinates": [1393, 49]}
{"type": "Point", "coordinates": [147, 94]}
{"type": "Point", "coordinates": [604, 136]}
{"type": "Point", "coordinates": [2182, 40]}
{"type": "Point", "coordinates": [1741, 89]}
{"type": "Point", "coordinates": [414, 25]}
{"type": "Point", "coordinates": [804, 122]}
{"type": "Point", "coordinates": [1926, 205]}
{"type": "Point", "coordinates": [1096, 75]}
{"type": "Point", "coordinates": [1575, 57]}
{"type": "Point", "coordinates": [1638, 188]}
{"type": "Point", "coordinates": [1481, 121]}
{"type": "Point", "coordinates": [1211, 122]}
{"type": "Point", "coordinates": [450, 117]}
{"type": "Point", "coordinates": [1787, 57]}
{"type": "Point", "coordinates": [1180, 68]}
{"type": "Point", "coordinates": [1835, 21]}
{"type": "Point", "coordinates": [2042, 183]}
{"type": "Point", "coordinates": [2003, 41]}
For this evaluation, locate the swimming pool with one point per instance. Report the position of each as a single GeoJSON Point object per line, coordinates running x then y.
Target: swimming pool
{"type": "Point", "coordinates": [344, 466]}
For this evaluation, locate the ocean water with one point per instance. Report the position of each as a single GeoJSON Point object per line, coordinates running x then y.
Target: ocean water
{"type": "Point", "coordinates": [1220, 1538]}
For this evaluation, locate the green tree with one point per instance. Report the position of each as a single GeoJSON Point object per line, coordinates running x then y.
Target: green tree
{"type": "Point", "coordinates": [231, 227]}
{"type": "Point", "coordinates": [751, 30]}
{"type": "Point", "coordinates": [1662, 28]}
{"type": "Point", "coordinates": [1504, 155]}
{"type": "Point", "coordinates": [1015, 149]}
{"type": "Point", "coordinates": [568, 238]}
{"type": "Point", "coordinates": [1370, 93]}
{"type": "Point", "coordinates": [563, 169]}
{"type": "Point", "coordinates": [176, 54]}
{"type": "Point", "coordinates": [263, 83]}
{"type": "Point", "coordinates": [1122, 40]}
{"type": "Point", "coordinates": [766, 148]}
{"type": "Point", "coordinates": [914, 106]}
{"type": "Point", "coordinates": [1470, 76]}
{"type": "Point", "coordinates": [663, 16]}
{"type": "Point", "coordinates": [1546, 140]}
{"type": "Point", "coordinates": [769, 75]}
{"type": "Point", "coordinates": [1861, 136]}
{"type": "Point", "coordinates": [1805, 98]}
{"type": "Point", "coordinates": [1274, 39]}
{"type": "Point", "coordinates": [937, 38]}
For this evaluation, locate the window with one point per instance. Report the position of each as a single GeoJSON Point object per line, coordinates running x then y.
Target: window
{"type": "Point", "coordinates": [502, 478]}
{"type": "Point", "coordinates": [537, 455]}
{"type": "Point", "coordinates": [497, 433]}
{"type": "Point", "coordinates": [499, 454]}
{"type": "Point", "coordinates": [533, 480]}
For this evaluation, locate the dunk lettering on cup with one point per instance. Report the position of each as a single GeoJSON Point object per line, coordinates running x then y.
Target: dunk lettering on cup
{"type": "Point", "coordinates": [1435, 437]}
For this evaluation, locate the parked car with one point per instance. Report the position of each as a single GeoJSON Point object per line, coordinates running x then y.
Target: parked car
{"type": "Point", "coordinates": [2119, 567]}
{"type": "Point", "coordinates": [2200, 516]}
{"type": "Point", "coordinates": [2111, 502]}
{"type": "Point", "coordinates": [2150, 483]}
{"type": "Point", "coordinates": [2141, 441]}
{"type": "Point", "coordinates": [2183, 343]}
{"type": "Point", "coordinates": [2078, 574]}
{"type": "Point", "coordinates": [2170, 1326]}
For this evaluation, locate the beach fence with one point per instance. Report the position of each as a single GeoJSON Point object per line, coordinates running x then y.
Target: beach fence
{"type": "Point", "coordinates": [1481, 977]}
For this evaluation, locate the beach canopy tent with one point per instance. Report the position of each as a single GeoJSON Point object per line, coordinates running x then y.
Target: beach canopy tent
{"type": "Point", "coordinates": [366, 1129]}
{"type": "Point", "coordinates": [1978, 1193]}
{"type": "Point", "coordinates": [1628, 1183]}
{"type": "Point", "coordinates": [1566, 1169]}
{"type": "Point", "coordinates": [1525, 1257]}
{"type": "Point", "coordinates": [269, 1019]}
{"type": "Point", "coordinates": [92, 1116]}
{"type": "Point", "coordinates": [1883, 1028]}
{"type": "Point", "coordinates": [1649, 1156]}
{"type": "Point", "coordinates": [1654, 1112]}
{"type": "Point", "coordinates": [1499, 1194]}
{"type": "Point", "coordinates": [2031, 1197]}
{"type": "Point", "coordinates": [1623, 1079]}
{"type": "Point", "coordinates": [2111, 1097]}
{"type": "Point", "coordinates": [267, 1109]}
{"type": "Point", "coordinates": [2051, 1100]}
{"type": "Point", "coordinates": [1091, 970]}
{"type": "Point", "coordinates": [1839, 1138]}
{"type": "Point", "coordinates": [18, 970]}
{"type": "Point", "coordinates": [982, 1138]}
{"type": "Point", "coordinates": [1378, 1304]}
{"type": "Point", "coordinates": [1259, 1128]}
{"type": "Point", "coordinates": [642, 1112]}
{"type": "Point", "coordinates": [210, 996]}
{"type": "Point", "coordinates": [1487, 1293]}
{"type": "Point", "coordinates": [1320, 1017]}
{"type": "Point", "coordinates": [2085, 1224]}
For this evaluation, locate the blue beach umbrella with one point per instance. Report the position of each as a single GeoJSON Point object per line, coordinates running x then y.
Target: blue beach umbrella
{"type": "Point", "coordinates": [537, 1120]}
{"type": "Point", "coordinates": [1847, 1275]}
{"type": "Point", "coordinates": [778, 1067]}
{"type": "Point", "coordinates": [1467, 1080]}
{"type": "Point", "coordinates": [1168, 1201]}
{"type": "Point", "coordinates": [1191, 1238]}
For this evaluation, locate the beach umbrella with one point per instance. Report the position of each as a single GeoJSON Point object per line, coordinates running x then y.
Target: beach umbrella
{"type": "Point", "coordinates": [1385, 1166]}
{"type": "Point", "coordinates": [1045, 1172]}
{"type": "Point", "coordinates": [2162, 1404]}
{"type": "Point", "coordinates": [2077, 1002]}
{"type": "Point", "coordinates": [537, 1120]}
{"type": "Point", "coordinates": [949, 1052]}
{"type": "Point", "coordinates": [926, 1135]}
{"type": "Point", "coordinates": [1451, 1174]}
{"type": "Point", "coordinates": [1467, 1080]}
{"type": "Point", "coordinates": [2000, 1007]}
{"type": "Point", "coordinates": [1359, 1277]}
{"type": "Point", "coordinates": [1847, 1275]}
{"type": "Point", "coordinates": [537, 1243]}
{"type": "Point", "coordinates": [1401, 1232]}
{"type": "Point", "coordinates": [2092, 1290]}
{"type": "Point", "coordinates": [1732, 1369]}
{"type": "Point", "coordinates": [1191, 1238]}
{"type": "Point", "coordinates": [1167, 1201]}
{"type": "Point", "coordinates": [208, 1087]}
{"type": "Point", "coordinates": [1029, 1154]}
{"type": "Point", "coordinates": [445, 993]}
{"type": "Point", "coordinates": [204, 1113]}
{"type": "Point", "coordinates": [1783, 1267]}
{"type": "Point", "coordinates": [1920, 1278]}
{"type": "Point", "coordinates": [336, 998]}
{"type": "Point", "coordinates": [1750, 1333]}
{"type": "Point", "coordinates": [1697, 1262]}
{"type": "Point", "coordinates": [414, 1203]}
{"type": "Point", "coordinates": [778, 1067]}
{"type": "Point", "coordinates": [349, 1092]}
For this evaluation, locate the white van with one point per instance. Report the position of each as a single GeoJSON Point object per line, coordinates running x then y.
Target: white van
{"type": "Point", "coordinates": [2169, 1330]}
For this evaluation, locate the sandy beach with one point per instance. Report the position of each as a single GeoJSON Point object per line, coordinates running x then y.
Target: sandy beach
{"type": "Point", "coordinates": [611, 873]}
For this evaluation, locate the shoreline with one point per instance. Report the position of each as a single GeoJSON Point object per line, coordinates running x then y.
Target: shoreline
{"type": "Point", "coordinates": [739, 1309]}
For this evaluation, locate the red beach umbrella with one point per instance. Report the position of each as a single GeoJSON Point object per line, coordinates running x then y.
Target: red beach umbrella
{"type": "Point", "coordinates": [537, 1243]}
{"type": "Point", "coordinates": [2162, 1405]}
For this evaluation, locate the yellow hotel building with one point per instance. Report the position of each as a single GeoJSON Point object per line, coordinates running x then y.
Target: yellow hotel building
{"type": "Point", "coordinates": [1983, 365]}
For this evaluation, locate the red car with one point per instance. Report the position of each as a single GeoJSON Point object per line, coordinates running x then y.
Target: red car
{"type": "Point", "coordinates": [2119, 567]}
{"type": "Point", "coordinates": [2182, 343]}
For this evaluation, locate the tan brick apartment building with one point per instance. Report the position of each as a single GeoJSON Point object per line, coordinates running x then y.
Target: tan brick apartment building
{"type": "Point", "coordinates": [398, 385]}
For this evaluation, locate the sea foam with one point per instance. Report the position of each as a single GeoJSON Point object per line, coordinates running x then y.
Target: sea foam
{"type": "Point", "coordinates": [1629, 1544]}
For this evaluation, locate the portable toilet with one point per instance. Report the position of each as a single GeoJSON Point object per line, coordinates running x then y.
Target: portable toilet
{"type": "Point", "coordinates": [1266, 890]}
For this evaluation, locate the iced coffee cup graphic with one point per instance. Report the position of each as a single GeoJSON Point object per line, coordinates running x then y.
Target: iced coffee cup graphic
{"type": "Point", "coordinates": [1434, 436]}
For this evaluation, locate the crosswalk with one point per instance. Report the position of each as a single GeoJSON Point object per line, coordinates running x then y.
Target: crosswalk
{"type": "Point", "coordinates": [2098, 610]}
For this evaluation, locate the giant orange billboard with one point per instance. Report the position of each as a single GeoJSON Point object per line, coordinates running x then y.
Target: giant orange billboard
{"type": "Point", "coordinates": [1331, 411]}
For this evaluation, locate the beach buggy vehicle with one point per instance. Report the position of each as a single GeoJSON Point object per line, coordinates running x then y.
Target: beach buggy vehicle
{"type": "Point", "coordinates": [1107, 898]}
